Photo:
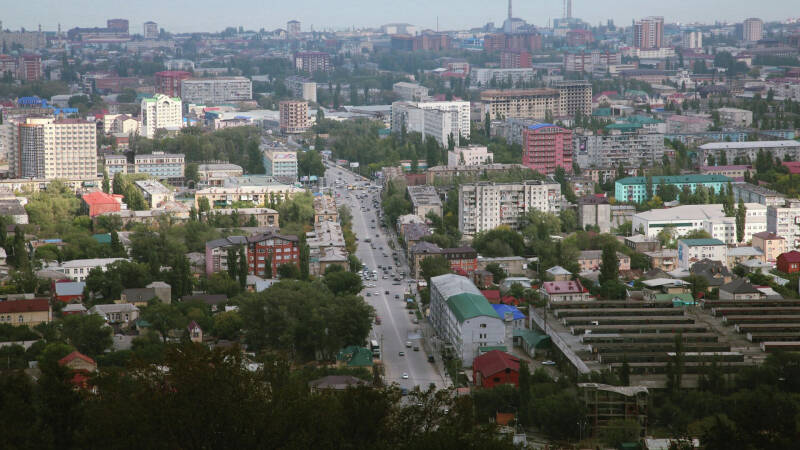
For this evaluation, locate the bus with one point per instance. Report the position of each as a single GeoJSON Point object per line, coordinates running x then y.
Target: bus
{"type": "Point", "coordinates": [376, 349]}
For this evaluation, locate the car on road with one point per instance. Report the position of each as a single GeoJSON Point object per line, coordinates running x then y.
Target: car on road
{"type": "Point", "coordinates": [408, 344]}
{"type": "Point", "coordinates": [386, 292]}
{"type": "Point", "coordinates": [401, 353]}
{"type": "Point", "coordinates": [396, 295]}
{"type": "Point", "coordinates": [431, 359]}
{"type": "Point", "coordinates": [369, 294]}
{"type": "Point", "coordinates": [405, 376]}
{"type": "Point", "coordinates": [416, 349]}
{"type": "Point", "coordinates": [548, 363]}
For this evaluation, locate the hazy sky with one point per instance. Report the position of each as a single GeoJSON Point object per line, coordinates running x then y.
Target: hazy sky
{"type": "Point", "coordinates": [214, 15]}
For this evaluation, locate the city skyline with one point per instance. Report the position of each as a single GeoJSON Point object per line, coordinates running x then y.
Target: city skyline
{"type": "Point", "coordinates": [320, 15]}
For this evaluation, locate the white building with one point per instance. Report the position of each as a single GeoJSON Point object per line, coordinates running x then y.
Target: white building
{"type": "Point", "coordinates": [216, 90]}
{"type": "Point", "coordinates": [736, 117]}
{"type": "Point", "coordinates": [692, 39]}
{"type": "Point", "coordinates": [47, 148]}
{"type": "Point", "coordinates": [785, 222]}
{"type": "Point", "coordinates": [473, 155]}
{"type": "Point", "coordinates": [302, 88]}
{"type": "Point", "coordinates": [486, 77]}
{"type": "Point", "coordinates": [161, 112]}
{"type": "Point", "coordinates": [412, 92]}
{"type": "Point", "coordinates": [749, 149]}
{"type": "Point", "coordinates": [155, 193]}
{"type": "Point", "coordinates": [281, 163]}
{"type": "Point", "coordinates": [463, 318]}
{"type": "Point", "coordinates": [150, 30]}
{"type": "Point", "coordinates": [116, 312]}
{"type": "Point", "coordinates": [752, 29]}
{"type": "Point", "coordinates": [686, 218]}
{"type": "Point", "coordinates": [438, 120]}
{"type": "Point", "coordinates": [691, 251]}
{"type": "Point", "coordinates": [225, 196]}
{"type": "Point", "coordinates": [120, 123]}
{"type": "Point", "coordinates": [484, 206]}
{"type": "Point", "coordinates": [78, 269]}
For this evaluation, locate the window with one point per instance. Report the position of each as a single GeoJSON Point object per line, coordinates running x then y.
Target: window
{"type": "Point", "coordinates": [483, 325]}
{"type": "Point", "coordinates": [21, 319]}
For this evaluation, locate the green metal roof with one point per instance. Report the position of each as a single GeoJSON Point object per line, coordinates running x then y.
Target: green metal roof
{"type": "Point", "coordinates": [468, 305]}
{"type": "Point", "coordinates": [676, 179]}
{"type": "Point", "coordinates": [102, 238]}
{"type": "Point", "coordinates": [531, 338]}
{"type": "Point", "coordinates": [356, 356]}
{"type": "Point", "coordinates": [602, 112]}
{"type": "Point", "coordinates": [672, 297]}
{"type": "Point", "coordinates": [644, 120]}
{"type": "Point", "coordinates": [700, 242]}
{"type": "Point", "coordinates": [489, 348]}
{"type": "Point", "coordinates": [623, 126]}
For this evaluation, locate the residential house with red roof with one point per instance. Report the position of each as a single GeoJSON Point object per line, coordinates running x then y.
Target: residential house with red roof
{"type": "Point", "coordinates": [81, 366]}
{"type": "Point", "coordinates": [98, 202]}
{"type": "Point", "coordinates": [495, 367]}
{"type": "Point", "coordinates": [564, 291]}
{"type": "Point", "coordinates": [789, 262]}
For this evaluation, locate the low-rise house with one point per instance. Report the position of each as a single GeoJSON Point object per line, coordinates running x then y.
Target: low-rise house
{"type": "Point", "coordinates": [738, 255]}
{"type": "Point", "coordinates": [559, 273]}
{"type": "Point", "coordinates": [78, 269]}
{"type": "Point", "coordinates": [494, 368]}
{"type": "Point", "coordinates": [195, 332]}
{"type": "Point", "coordinates": [714, 272]}
{"type": "Point", "coordinates": [564, 291]}
{"type": "Point", "coordinates": [694, 250]}
{"type": "Point", "coordinates": [335, 383]}
{"type": "Point", "coordinates": [771, 244]}
{"type": "Point", "coordinates": [14, 208]}
{"type": "Point", "coordinates": [30, 312]}
{"type": "Point", "coordinates": [81, 366]}
{"type": "Point", "coordinates": [98, 202]}
{"type": "Point", "coordinates": [666, 259]}
{"type": "Point", "coordinates": [591, 260]}
{"type": "Point", "coordinates": [414, 232]}
{"type": "Point", "coordinates": [68, 291]}
{"type": "Point", "coordinates": [789, 262]}
{"type": "Point", "coordinates": [73, 308]}
{"type": "Point", "coordinates": [511, 315]}
{"type": "Point", "coordinates": [739, 289]}
{"type": "Point", "coordinates": [140, 296]}
{"type": "Point", "coordinates": [642, 244]}
{"type": "Point", "coordinates": [512, 265]}
{"type": "Point", "coordinates": [506, 284]}
{"type": "Point", "coordinates": [117, 313]}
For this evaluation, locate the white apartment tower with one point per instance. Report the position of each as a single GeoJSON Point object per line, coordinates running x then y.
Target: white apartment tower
{"type": "Point", "coordinates": [160, 111]}
{"type": "Point", "coordinates": [48, 148]}
{"type": "Point", "coordinates": [484, 206]}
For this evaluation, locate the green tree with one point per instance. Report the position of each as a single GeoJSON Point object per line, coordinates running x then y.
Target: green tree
{"type": "Point", "coordinates": [340, 282]}
{"type": "Point", "coordinates": [498, 274]}
{"type": "Point", "coordinates": [87, 333]}
{"type": "Point", "coordinates": [741, 216]}
{"type": "Point", "coordinates": [433, 266]}
{"type": "Point", "coordinates": [163, 318]}
{"type": "Point", "coordinates": [609, 266]}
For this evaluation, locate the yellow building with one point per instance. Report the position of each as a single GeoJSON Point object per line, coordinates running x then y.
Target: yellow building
{"type": "Point", "coordinates": [26, 312]}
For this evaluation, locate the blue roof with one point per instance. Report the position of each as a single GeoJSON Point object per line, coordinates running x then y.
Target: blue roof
{"type": "Point", "coordinates": [70, 288]}
{"type": "Point", "coordinates": [503, 309]}
{"type": "Point", "coordinates": [540, 125]}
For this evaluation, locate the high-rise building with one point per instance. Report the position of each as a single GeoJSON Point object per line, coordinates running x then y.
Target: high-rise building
{"type": "Point", "coordinates": [439, 120]}
{"type": "Point", "coordinates": [118, 25]}
{"type": "Point", "coordinates": [49, 148]}
{"type": "Point", "coordinates": [485, 206]}
{"type": "Point", "coordinates": [575, 97]}
{"type": "Point", "coordinates": [630, 147]}
{"type": "Point", "coordinates": [293, 27]}
{"type": "Point", "coordinates": [281, 164]}
{"type": "Point", "coordinates": [169, 82]}
{"type": "Point", "coordinates": [692, 39]}
{"type": "Point", "coordinates": [311, 62]}
{"type": "Point", "coordinates": [29, 67]}
{"type": "Point", "coordinates": [161, 112]}
{"type": "Point", "coordinates": [302, 88]}
{"type": "Point", "coordinates": [294, 116]}
{"type": "Point", "coordinates": [594, 61]}
{"type": "Point", "coordinates": [515, 59]}
{"type": "Point", "coordinates": [150, 30]}
{"type": "Point", "coordinates": [752, 29]}
{"type": "Point", "coordinates": [216, 90]}
{"type": "Point", "coordinates": [546, 147]}
{"type": "Point", "coordinates": [648, 33]}
{"type": "Point", "coordinates": [522, 103]}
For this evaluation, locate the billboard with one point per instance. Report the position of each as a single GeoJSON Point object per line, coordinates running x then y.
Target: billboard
{"type": "Point", "coordinates": [353, 165]}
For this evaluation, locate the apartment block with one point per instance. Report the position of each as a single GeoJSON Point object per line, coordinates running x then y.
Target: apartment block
{"type": "Point", "coordinates": [711, 218]}
{"type": "Point", "coordinates": [786, 150]}
{"type": "Point", "coordinates": [281, 164]}
{"type": "Point", "coordinates": [311, 62]}
{"type": "Point", "coordinates": [216, 90]}
{"type": "Point", "coordinates": [648, 33]}
{"type": "Point", "coordinates": [484, 206]}
{"type": "Point", "coordinates": [48, 148]}
{"type": "Point", "coordinates": [438, 120]}
{"type": "Point", "coordinates": [634, 189]}
{"type": "Point", "coordinates": [546, 147]}
{"type": "Point", "coordinates": [161, 112]}
{"type": "Point", "coordinates": [522, 103]}
{"type": "Point", "coordinates": [692, 39]}
{"type": "Point", "coordinates": [279, 249]}
{"type": "Point", "coordinates": [472, 155]}
{"type": "Point", "coordinates": [575, 97]}
{"type": "Point", "coordinates": [784, 221]}
{"type": "Point", "coordinates": [592, 61]}
{"type": "Point", "coordinates": [736, 117]}
{"type": "Point", "coordinates": [164, 166]}
{"type": "Point", "coordinates": [154, 193]}
{"type": "Point", "coordinates": [225, 196]}
{"type": "Point", "coordinates": [424, 200]}
{"type": "Point", "coordinates": [169, 82]}
{"type": "Point", "coordinates": [691, 251]}
{"type": "Point", "coordinates": [412, 92]}
{"type": "Point", "coordinates": [629, 148]}
{"type": "Point", "coordinates": [753, 193]}
{"type": "Point", "coordinates": [488, 77]}
{"type": "Point", "coordinates": [294, 116]}
{"type": "Point", "coordinates": [515, 59]}
{"type": "Point", "coordinates": [301, 87]}
{"type": "Point", "coordinates": [752, 29]}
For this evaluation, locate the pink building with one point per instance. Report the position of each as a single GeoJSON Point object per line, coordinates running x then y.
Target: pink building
{"type": "Point", "coordinates": [545, 147]}
{"type": "Point", "coordinates": [771, 244]}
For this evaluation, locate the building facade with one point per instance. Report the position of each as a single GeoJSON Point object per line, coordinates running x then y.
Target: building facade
{"type": "Point", "coordinates": [634, 189]}
{"type": "Point", "coordinates": [216, 90]}
{"type": "Point", "coordinates": [648, 33]}
{"type": "Point", "coordinates": [169, 82]}
{"type": "Point", "coordinates": [310, 62]}
{"type": "Point", "coordinates": [281, 163]}
{"type": "Point", "coordinates": [442, 121]}
{"type": "Point", "coordinates": [691, 251]}
{"type": "Point", "coordinates": [752, 29]}
{"type": "Point", "coordinates": [294, 116]}
{"type": "Point", "coordinates": [546, 147]}
{"type": "Point", "coordinates": [473, 155]}
{"type": "Point", "coordinates": [48, 148]}
{"type": "Point", "coordinates": [161, 112]}
{"type": "Point", "coordinates": [636, 147]}
{"type": "Point", "coordinates": [786, 150]}
{"type": "Point", "coordinates": [484, 206]}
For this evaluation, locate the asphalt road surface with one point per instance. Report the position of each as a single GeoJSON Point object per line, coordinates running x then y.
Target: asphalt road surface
{"type": "Point", "coordinates": [397, 326]}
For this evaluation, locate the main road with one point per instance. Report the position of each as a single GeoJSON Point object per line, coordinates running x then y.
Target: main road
{"type": "Point", "coordinates": [397, 328]}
